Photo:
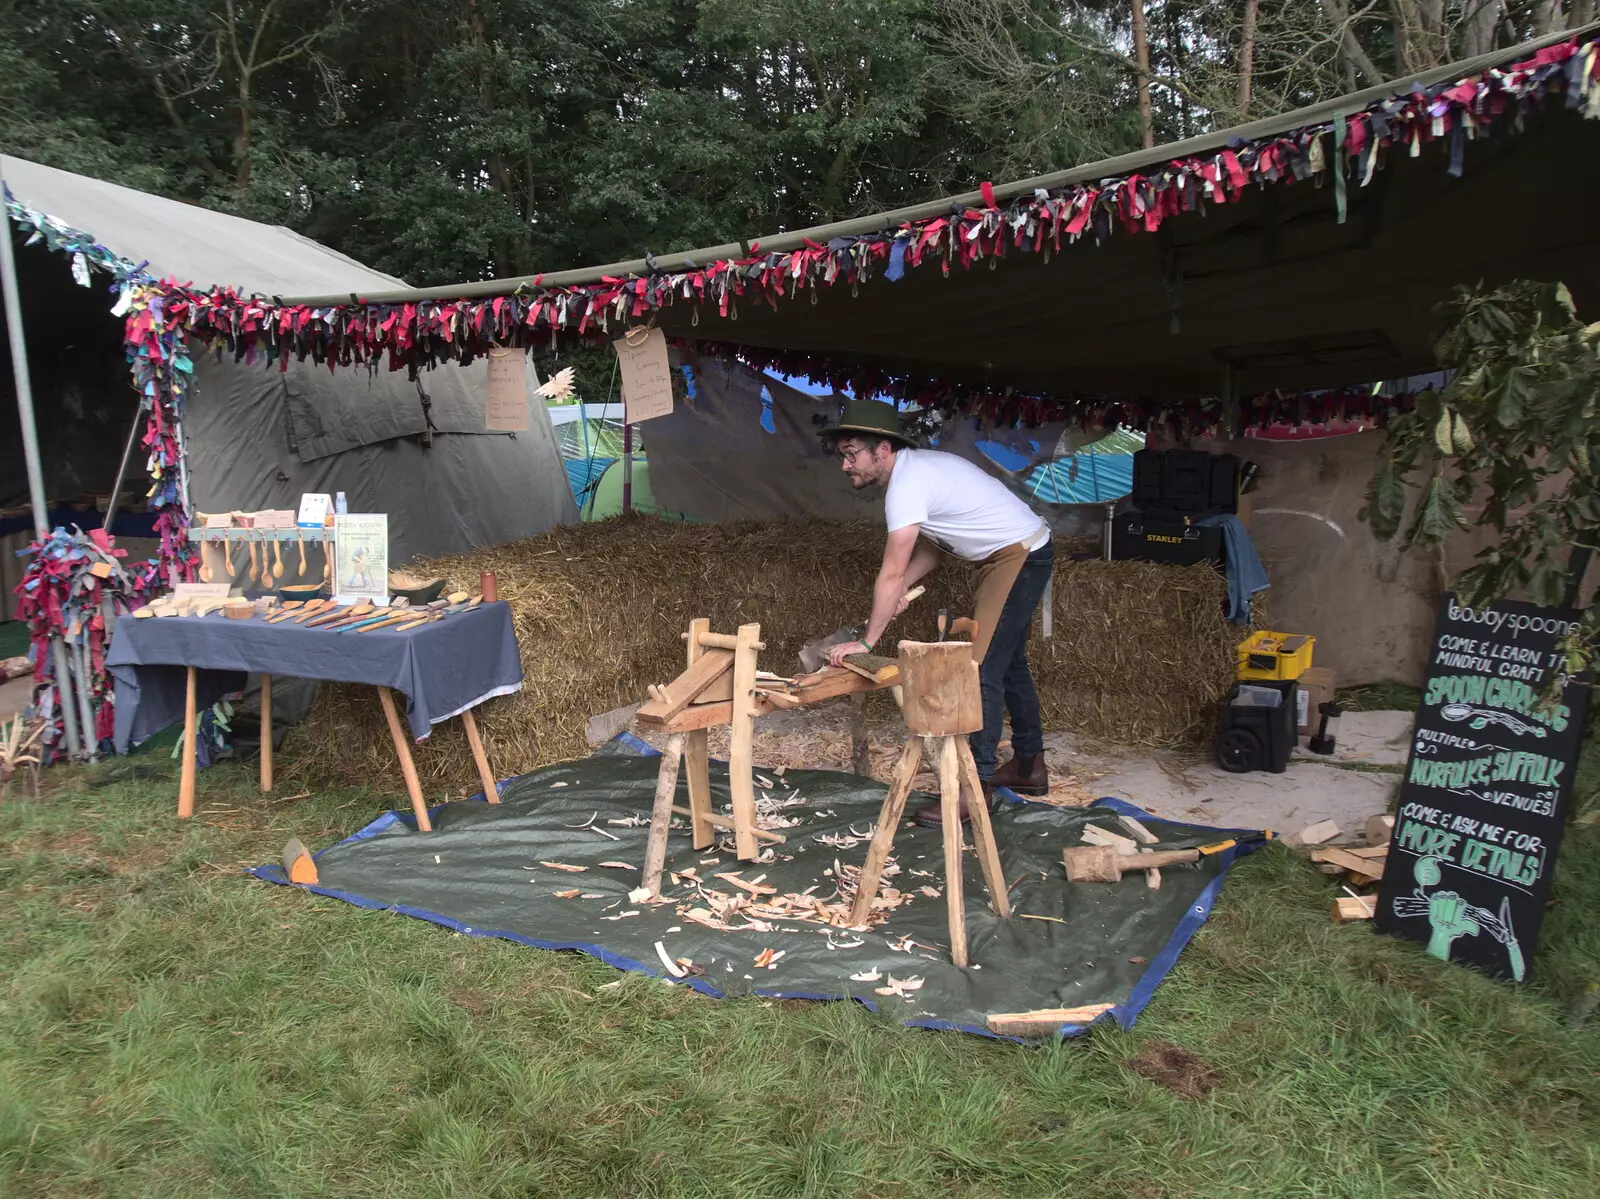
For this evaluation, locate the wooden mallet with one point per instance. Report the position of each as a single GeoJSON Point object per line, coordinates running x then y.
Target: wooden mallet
{"type": "Point", "coordinates": [1103, 864]}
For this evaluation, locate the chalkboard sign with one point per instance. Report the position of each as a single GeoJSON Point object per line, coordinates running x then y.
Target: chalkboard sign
{"type": "Point", "coordinates": [1484, 800]}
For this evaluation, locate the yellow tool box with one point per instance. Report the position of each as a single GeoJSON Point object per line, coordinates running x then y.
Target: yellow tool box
{"type": "Point", "coordinates": [1266, 655]}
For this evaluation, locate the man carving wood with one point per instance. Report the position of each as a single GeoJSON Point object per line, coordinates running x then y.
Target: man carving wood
{"type": "Point", "coordinates": [937, 503]}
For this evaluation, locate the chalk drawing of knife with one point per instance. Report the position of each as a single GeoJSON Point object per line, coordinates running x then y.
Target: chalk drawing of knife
{"type": "Point", "coordinates": [1477, 718]}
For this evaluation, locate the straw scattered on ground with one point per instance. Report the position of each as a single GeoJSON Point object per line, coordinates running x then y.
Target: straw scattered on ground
{"type": "Point", "coordinates": [1139, 653]}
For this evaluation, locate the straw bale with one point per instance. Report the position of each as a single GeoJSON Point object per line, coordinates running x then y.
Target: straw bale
{"type": "Point", "coordinates": [1140, 653]}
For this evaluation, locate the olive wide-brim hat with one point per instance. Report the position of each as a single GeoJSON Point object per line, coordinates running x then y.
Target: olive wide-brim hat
{"type": "Point", "coordinates": [868, 416]}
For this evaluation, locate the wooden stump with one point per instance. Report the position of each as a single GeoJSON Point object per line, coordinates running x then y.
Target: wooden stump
{"type": "Point", "coordinates": [939, 682]}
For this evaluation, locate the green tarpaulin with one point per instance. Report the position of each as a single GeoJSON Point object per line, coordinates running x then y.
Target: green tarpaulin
{"type": "Point", "coordinates": [480, 872]}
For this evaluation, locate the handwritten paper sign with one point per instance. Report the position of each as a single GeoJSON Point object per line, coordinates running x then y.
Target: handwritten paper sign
{"type": "Point", "coordinates": [1482, 807]}
{"type": "Point", "coordinates": [505, 391]}
{"type": "Point", "coordinates": [646, 375]}
{"type": "Point", "coordinates": [361, 558]}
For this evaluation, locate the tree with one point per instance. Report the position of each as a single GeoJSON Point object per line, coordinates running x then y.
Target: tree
{"type": "Point", "coordinates": [1519, 425]}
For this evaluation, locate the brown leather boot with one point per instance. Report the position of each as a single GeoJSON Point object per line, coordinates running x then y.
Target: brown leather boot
{"type": "Point", "coordinates": [932, 815]}
{"type": "Point", "coordinates": [1035, 781]}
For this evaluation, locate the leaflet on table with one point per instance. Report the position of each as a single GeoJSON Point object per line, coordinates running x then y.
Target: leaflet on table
{"type": "Point", "coordinates": [361, 559]}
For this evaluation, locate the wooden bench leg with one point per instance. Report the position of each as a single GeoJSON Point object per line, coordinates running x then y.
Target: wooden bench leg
{"type": "Point", "coordinates": [860, 746]}
{"type": "Point", "coordinates": [408, 768]}
{"type": "Point", "coordinates": [982, 832]}
{"type": "Point", "coordinates": [894, 806]}
{"type": "Point", "coordinates": [697, 764]}
{"type": "Point", "coordinates": [950, 818]}
{"type": "Point", "coordinates": [266, 732]}
{"type": "Point", "coordinates": [485, 775]}
{"type": "Point", "coordinates": [655, 853]}
{"type": "Point", "coordinates": [190, 722]}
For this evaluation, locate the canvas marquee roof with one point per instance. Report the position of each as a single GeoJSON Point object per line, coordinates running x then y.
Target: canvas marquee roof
{"type": "Point", "coordinates": [1269, 289]}
{"type": "Point", "coordinates": [185, 242]}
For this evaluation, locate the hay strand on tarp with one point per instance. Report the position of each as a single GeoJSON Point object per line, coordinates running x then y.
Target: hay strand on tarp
{"type": "Point", "coordinates": [1140, 653]}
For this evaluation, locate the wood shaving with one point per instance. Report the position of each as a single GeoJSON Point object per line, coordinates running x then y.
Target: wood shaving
{"type": "Point", "coordinates": [673, 968]}
{"type": "Point", "coordinates": [901, 987]}
{"type": "Point", "coordinates": [867, 976]}
{"type": "Point", "coordinates": [570, 869]}
{"type": "Point", "coordinates": [619, 865]}
{"type": "Point", "coordinates": [572, 894]}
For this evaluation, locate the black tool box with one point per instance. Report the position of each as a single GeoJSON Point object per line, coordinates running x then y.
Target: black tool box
{"type": "Point", "coordinates": [1257, 729]}
{"type": "Point", "coordinates": [1163, 537]}
{"type": "Point", "coordinates": [1185, 482]}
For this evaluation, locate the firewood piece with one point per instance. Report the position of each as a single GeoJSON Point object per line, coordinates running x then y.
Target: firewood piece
{"type": "Point", "coordinates": [298, 863]}
{"type": "Point", "coordinates": [1379, 829]}
{"type": "Point", "coordinates": [1319, 833]}
{"type": "Point", "coordinates": [1101, 864]}
{"type": "Point", "coordinates": [1093, 834]}
{"type": "Point", "coordinates": [1347, 908]}
{"type": "Point", "coordinates": [1043, 1021]}
{"type": "Point", "coordinates": [1346, 860]}
{"type": "Point", "coordinates": [1137, 831]}
{"type": "Point", "coordinates": [940, 684]}
{"type": "Point", "coordinates": [753, 888]}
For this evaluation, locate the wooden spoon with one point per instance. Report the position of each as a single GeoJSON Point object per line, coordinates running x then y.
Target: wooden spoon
{"type": "Point", "coordinates": [277, 560]}
{"type": "Point", "coordinates": [254, 572]}
{"type": "Point", "coordinates": [314, 608]}
{"type": "Point", "coordinates": [301, 538]}
{"type": "Point", "coordinates": [205, 563]}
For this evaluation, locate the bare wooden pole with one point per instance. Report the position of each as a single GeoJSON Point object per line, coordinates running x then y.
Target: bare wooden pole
{"type": "Point", "coordinates": [655, 851]}
{"type": "Point", "coordinates": [950, 820]}
{"type": "Point", "coordinates": [1141, 54]}
{"type": "Point", "coordinates": [1247, 55]}
{"type": "Point", "coordinates": [894, 806]}
{"type": "Point", "coordinates": [741, 748]}
{"type": "Point", "coordinates": [697, 758]}
{"type": "Point", "coordinates": [860, 745]}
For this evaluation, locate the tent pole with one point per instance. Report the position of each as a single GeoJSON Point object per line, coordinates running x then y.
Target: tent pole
{"type": "Point", "coordinates": [30, 454]}
{"type": "Point", "coordinates": [627, 466]}
{"type": "Point", "coordinates": [19, 369]}
{"type": "Point", "coordinates": [122, 470]}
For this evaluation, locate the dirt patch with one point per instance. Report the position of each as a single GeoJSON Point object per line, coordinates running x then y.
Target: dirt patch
{"type": "Point", "coordinates": [71, 843]}
{"type": "Point", "coordinates": [474, 1003]}
{"type": "Point", "coordinates": [1172, 1066]}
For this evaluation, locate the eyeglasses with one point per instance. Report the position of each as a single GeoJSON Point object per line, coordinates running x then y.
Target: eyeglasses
{"type": "Point", "coordinates": [848, 457]}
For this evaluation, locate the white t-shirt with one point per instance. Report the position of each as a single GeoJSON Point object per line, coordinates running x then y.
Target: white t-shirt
{"type": "Point", "coordinates": [961, 508]}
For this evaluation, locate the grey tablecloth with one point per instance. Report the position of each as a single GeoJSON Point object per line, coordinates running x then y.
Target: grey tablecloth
{"type": "Point", "coordinates": [442, 669]}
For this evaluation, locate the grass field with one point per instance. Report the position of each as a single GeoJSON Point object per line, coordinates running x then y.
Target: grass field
{"type": "Point", "coordinates": [169, 1028]}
